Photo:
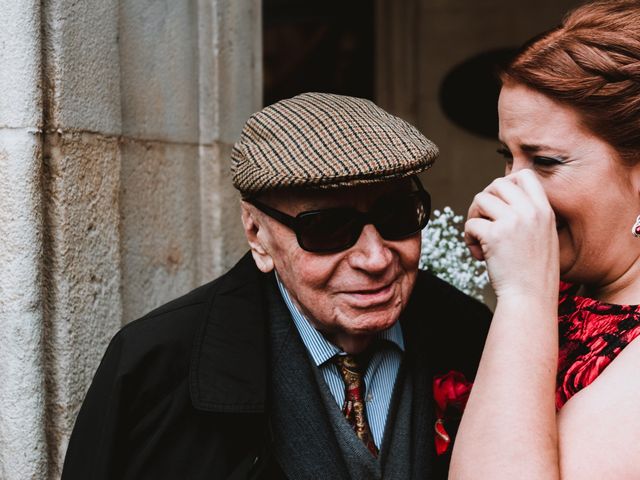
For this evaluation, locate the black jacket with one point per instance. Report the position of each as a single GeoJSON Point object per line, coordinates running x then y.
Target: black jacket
{"type": "Point", "coordinates": [181, 392]}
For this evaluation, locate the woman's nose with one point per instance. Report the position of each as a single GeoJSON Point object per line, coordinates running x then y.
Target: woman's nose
{"type": "Point", "coordinates": [518, 164]}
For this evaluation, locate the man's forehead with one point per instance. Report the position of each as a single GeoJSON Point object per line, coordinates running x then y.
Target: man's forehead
{"type": "Point", "coordinates": [307, 199]}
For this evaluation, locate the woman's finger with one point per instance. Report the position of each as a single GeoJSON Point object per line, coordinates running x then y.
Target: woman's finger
{"type": "Point", "coordinates": [529, 183]}
{"type": "Point", "coordinates": [508, 191]}
{"type": "Point", "coordinates": [475, 231]}
{"type": "Point", "coordinates": [487, 205]}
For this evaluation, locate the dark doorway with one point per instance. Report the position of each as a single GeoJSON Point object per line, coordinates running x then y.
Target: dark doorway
{"type": "Point", "coordinates": [318, 46]}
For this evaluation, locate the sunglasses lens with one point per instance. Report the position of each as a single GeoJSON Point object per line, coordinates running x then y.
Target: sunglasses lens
{"type": "Point", "coordinates": [395, 217]}
{"type": "Point", "coordinates": [402, 215]}
{"type": "Point", "coordinates": [328, 230]}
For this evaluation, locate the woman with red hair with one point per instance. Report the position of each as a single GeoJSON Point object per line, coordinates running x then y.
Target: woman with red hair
{"type": "Point", "coordinates": [551, 402]}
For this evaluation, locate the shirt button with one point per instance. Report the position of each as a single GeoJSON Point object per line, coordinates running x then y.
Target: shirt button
{"type": "Point", "coordinates": [369, 397]}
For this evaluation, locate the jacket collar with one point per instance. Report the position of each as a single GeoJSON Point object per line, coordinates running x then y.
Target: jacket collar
{"type": "Point", "coordinates": [229, 358]}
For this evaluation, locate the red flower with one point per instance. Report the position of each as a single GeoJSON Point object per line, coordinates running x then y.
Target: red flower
{"type": "Point", "coordinates": [450, 392]}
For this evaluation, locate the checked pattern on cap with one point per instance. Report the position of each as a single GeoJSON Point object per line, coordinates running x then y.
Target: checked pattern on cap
{"type": "Point", "coordinates": [354, 403]}
{"type": "Point", "coordinates": [321, 140]}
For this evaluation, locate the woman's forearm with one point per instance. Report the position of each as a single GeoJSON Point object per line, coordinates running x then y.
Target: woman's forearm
{"type": "Point", "coordinates": [509, 426]}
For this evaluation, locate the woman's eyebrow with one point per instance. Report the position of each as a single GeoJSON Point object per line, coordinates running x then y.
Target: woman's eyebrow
{"type": "Point", "coordinates": [526, 147]}
{"type": "Point", "coordinates": [535, 148]}
{"type": "Point", "coordinates": [532, 148]}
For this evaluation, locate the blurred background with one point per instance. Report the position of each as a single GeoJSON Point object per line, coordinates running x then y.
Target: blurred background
{"type": "Point", "coordinates": [117, 118]}
{"type": "Point", "coordinates": [431, 62]}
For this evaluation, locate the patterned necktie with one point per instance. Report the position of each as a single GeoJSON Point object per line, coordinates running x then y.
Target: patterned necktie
{"type": "Point", "coordinates": [354, 404]}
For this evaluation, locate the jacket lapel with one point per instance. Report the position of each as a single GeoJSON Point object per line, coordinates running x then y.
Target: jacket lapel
{"type": "Point", "coordinates": [422, 415]}
{"type": "Point", "coordinates": [418, 335]}
{"type": "Point", "coordinates": [228, 365]}
{"type": "Point", "coordinates": [304, 442]}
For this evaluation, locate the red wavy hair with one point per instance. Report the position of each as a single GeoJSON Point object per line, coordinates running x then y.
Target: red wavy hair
{"type": "Point", "coordinates": [591, 62]}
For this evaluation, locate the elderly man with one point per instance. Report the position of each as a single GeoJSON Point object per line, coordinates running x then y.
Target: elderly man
{"type": "Point", "coordinates": [315, 356]}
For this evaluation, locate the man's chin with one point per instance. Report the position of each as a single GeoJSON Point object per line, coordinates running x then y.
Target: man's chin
{"type": "Point", "coordinates": [371, 323]}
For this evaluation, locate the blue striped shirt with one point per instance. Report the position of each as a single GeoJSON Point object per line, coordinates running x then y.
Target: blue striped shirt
{"type": "Point", "coordinates": [379, 378]}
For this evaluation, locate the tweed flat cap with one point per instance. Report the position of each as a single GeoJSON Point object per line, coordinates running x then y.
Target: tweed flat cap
{"type": "Point", "coordinates": [321, 140]}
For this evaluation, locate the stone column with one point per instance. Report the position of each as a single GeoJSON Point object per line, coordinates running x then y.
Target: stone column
{"type": "Point", "coordinates": [80, 183]}
{"type": "Point", "coordinates": [23, 452]}
{"type": "Point", "coordinates": [230, 89]}
{"type": "Point", "coordinates": [116, 120]}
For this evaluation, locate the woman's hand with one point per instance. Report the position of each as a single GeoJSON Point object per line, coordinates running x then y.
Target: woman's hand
{"type": "Point", "coordinates": [512, 226]}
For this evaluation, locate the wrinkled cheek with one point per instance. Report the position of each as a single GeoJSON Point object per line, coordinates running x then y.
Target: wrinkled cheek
{"type": "Point", "coordinates": [566, 256]}
{"type": "Point", "coordinates": [570, 252]}
{"type": "Point", "coordinates": [564, 242]}
{"type": "Point", "coordinates": [413, 258]}
{"type": "Point", "coordinates": [407, 285]}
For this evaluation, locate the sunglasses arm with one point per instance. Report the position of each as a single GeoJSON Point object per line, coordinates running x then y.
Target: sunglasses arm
{"type": "Point", "coordinates": [281, 217]}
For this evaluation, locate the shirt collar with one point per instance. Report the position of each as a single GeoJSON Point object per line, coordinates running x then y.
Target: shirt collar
{"type": "Point", "coordinates": [321, 349]}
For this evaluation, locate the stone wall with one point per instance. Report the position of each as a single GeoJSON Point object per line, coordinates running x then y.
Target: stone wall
{"type": "Point", "coordinates": [116, 122]}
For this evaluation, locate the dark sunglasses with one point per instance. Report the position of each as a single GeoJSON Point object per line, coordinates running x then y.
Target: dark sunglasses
{"type": "Point", "coordinates": [395, 216]}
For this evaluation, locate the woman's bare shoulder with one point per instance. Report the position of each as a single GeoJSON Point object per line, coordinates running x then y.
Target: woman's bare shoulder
{"type": "Point", "coordinates": [599, 428]}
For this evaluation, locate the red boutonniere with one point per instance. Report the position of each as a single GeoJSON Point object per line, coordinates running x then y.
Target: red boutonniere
{"type": "Point", "coordinates": [450, 392]}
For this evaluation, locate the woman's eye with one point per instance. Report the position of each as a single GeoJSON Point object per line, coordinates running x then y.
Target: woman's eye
{"type": "Point", "coordinates": [546, 161]}
{"type": "Point", "coordinates": [508, 158]}
{"type": "Point", "coordinates": [505, 153]}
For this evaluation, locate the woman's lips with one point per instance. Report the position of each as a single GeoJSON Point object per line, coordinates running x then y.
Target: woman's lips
{"type": "Point", "coordinates": [371, 297]}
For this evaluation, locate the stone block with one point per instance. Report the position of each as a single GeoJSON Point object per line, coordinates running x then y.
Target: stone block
{"type": "Point", "coordinates": [239, 65]}
{"type": "Point", "coordinates": [22, 397]}
{"type": "Point", "coordinates": [160, 204]}
{"type": "Point", "coordinates": [159, 69]}
{"type": "Point", "coordinates": [82, 265]}
{"type": "Point", "coordinates": [82, 65]}
{"type": "Point", "coordinates": [20, 98]}
{"type": "Point", "coordinates": [222, 237]}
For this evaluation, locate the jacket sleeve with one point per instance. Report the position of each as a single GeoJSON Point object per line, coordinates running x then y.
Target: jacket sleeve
{"type": "Point", "coordinates": [92, 453]}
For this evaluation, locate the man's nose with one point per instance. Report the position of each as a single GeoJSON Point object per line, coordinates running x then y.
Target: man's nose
{"type": "Point", "coordinates": [370, 252]}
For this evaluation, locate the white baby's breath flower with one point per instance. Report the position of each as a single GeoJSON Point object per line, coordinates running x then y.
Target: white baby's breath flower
{"type": "Point", "coordinates": [445, 254]}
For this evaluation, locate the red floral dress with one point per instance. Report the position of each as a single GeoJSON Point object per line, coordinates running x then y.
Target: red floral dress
{"type": "Point", "coordinates": [592, 334]}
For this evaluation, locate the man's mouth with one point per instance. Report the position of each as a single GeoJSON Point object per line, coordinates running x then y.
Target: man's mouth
{"type": "Point", "coordinates": [372, 296]}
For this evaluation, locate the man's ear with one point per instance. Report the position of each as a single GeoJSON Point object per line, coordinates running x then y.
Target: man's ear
{"type": "Point", "coordinates": [256, 238]}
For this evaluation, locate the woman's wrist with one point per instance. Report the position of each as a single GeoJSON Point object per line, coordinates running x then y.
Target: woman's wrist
{"type": "Point", "coordinates": [540, 307]}
{"type": "Point", "coordinates": [530, 295]}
